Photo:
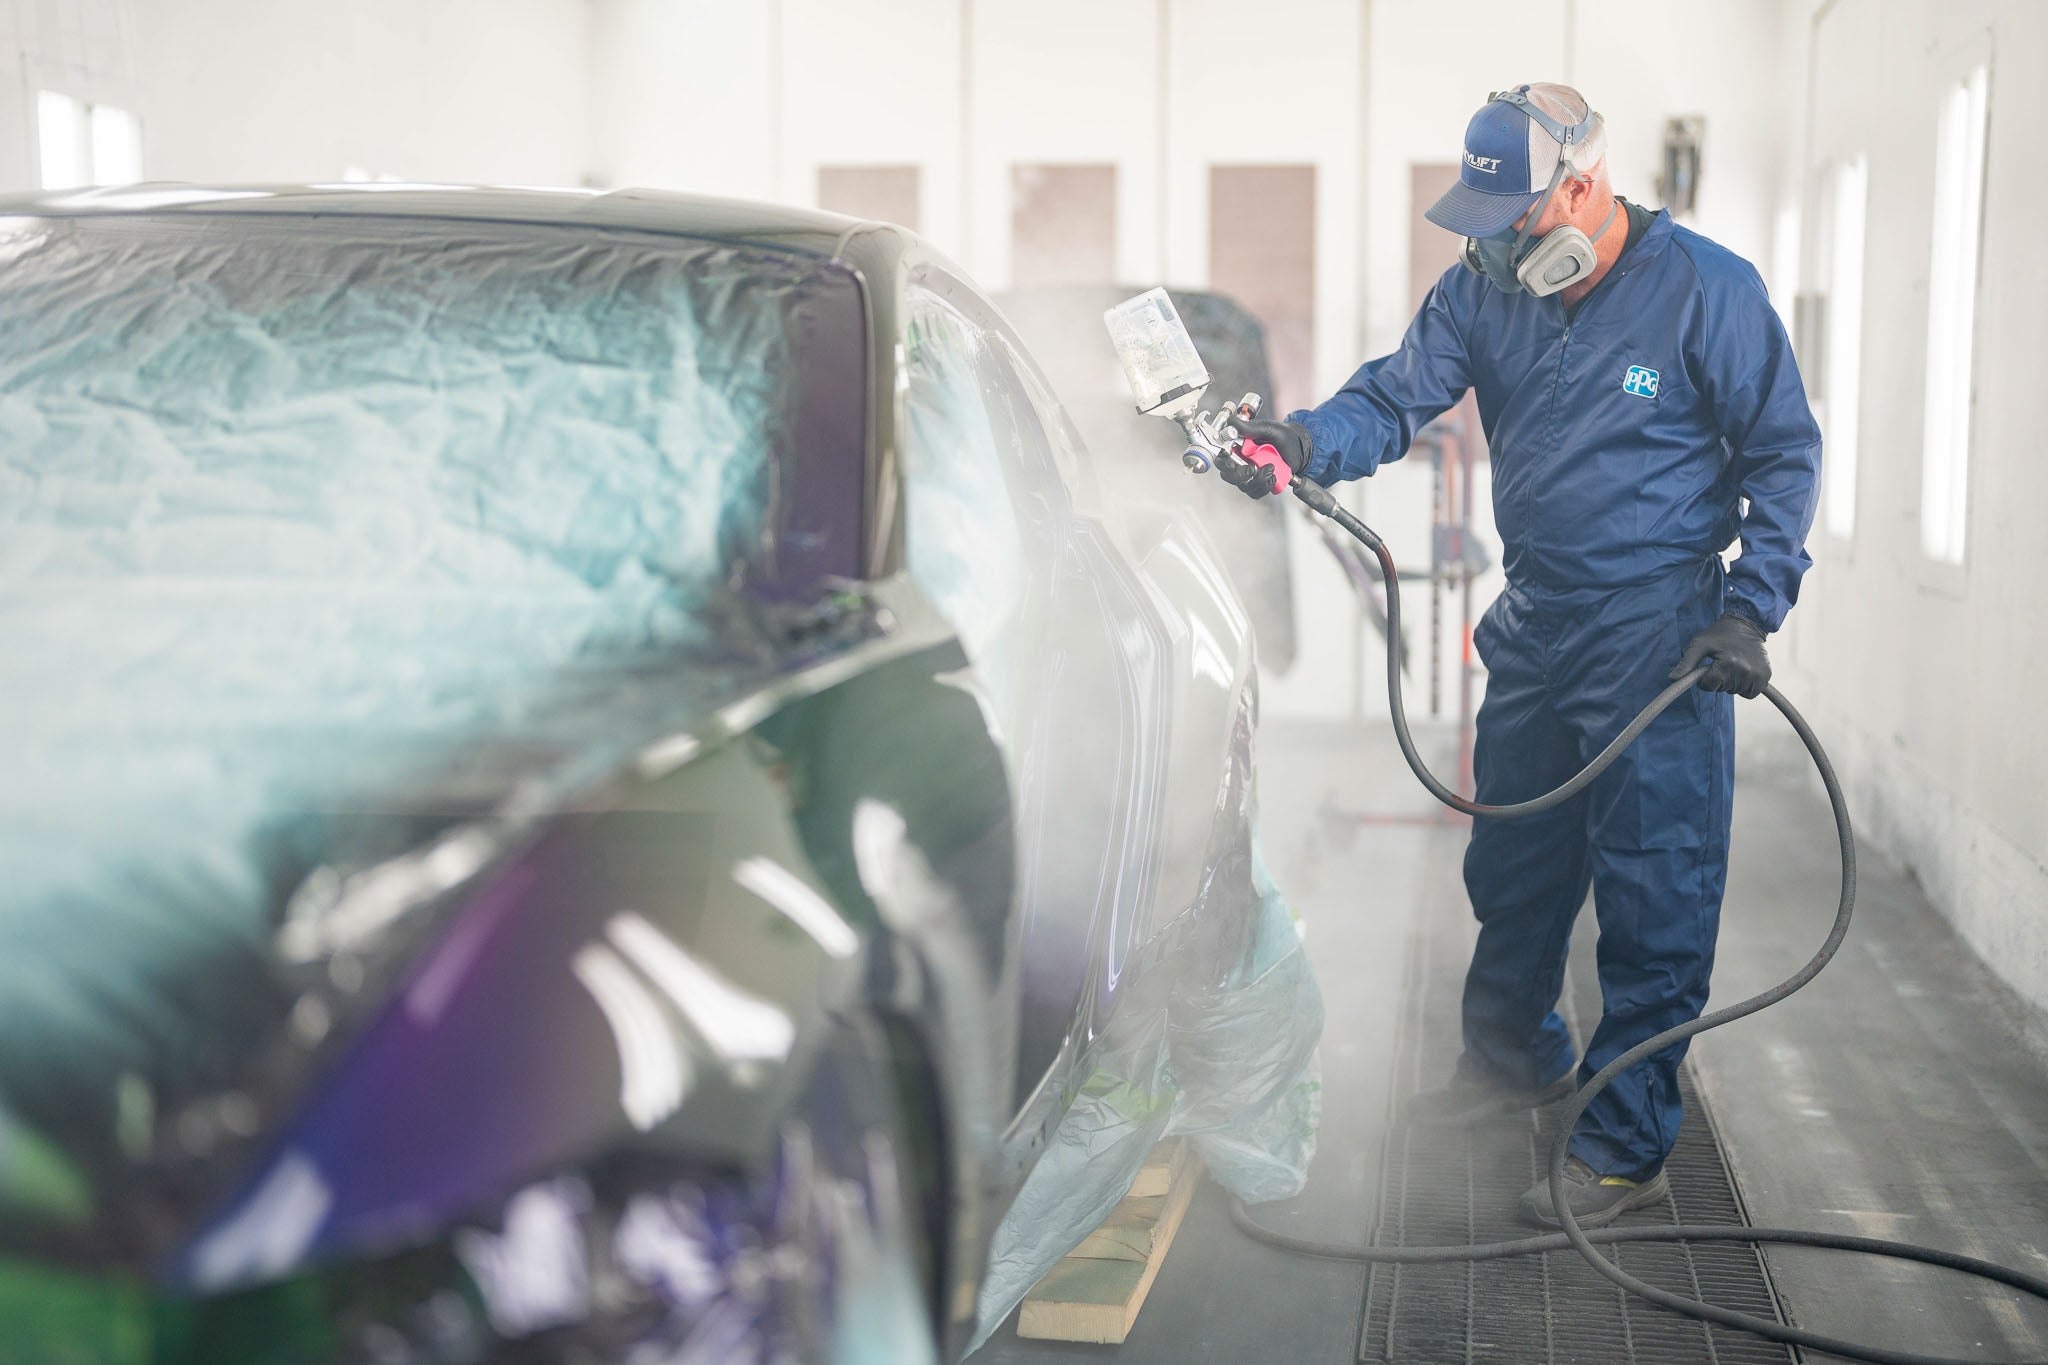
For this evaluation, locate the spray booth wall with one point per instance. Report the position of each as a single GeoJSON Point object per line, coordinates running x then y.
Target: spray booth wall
{"type": "Point", "coordinates": [1923, 664]}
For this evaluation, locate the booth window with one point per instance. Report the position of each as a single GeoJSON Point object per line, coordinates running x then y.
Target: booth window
{"type": "Point", "coordinates": [1952, 314]}
{"type": "Point", "coordinates": [1843, 381]}
{"type": "Point", "coordinates": [80, 144]}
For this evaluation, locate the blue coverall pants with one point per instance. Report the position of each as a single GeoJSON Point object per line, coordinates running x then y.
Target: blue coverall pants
{"type": "Point", "coordinates": [1566, 671]}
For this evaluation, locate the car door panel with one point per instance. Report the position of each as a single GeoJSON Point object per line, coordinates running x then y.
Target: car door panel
{"type": "Point", "coordinates": [1076, 677]}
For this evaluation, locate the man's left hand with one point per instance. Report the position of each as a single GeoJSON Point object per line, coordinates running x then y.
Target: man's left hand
{"type": "Point", "coordinates": [1736, 645]}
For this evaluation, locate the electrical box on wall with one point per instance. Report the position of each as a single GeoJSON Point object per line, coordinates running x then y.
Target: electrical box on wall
{"type": "Point", "coordinates": [1678, 174]}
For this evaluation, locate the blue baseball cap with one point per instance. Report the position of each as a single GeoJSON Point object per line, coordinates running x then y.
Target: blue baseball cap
{"type": "Point", "coordinates": [1512, 151]}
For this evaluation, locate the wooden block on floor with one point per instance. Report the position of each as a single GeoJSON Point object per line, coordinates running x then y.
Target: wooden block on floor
{"type": "Point", "coordinates": [1097, 1298]}
{"type": "Point", "coordinates": [1129, 1234]}
{"type": "Point", "coordinates": [1156, 1176]}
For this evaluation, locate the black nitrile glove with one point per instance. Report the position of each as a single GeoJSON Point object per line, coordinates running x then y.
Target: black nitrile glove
{"type": "Point", "coordinates": [1289, 438]}
{"type": "Point", "coordinates": [1736, 645]}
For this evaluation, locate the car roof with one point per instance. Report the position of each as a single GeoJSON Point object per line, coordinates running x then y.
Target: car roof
{"type": "Point", "coordinates": [810, 231]}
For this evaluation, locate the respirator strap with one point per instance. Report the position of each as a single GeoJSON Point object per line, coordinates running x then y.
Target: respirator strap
{"type": "Point", "coordinates": [1557, 179]}
{"type": "Point", "coordinates": [1607, 222]}
{"type": "Point", "coordinates": [1566, 135]}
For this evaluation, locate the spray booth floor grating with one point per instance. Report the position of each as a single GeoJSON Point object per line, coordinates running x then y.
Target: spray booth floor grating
{"type": "Point", "coordinates": [1441, 1185]}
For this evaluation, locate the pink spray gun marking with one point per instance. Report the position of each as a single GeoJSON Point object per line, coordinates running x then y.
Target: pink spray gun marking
{"type": "Point", "coordinates": [1268, 457]}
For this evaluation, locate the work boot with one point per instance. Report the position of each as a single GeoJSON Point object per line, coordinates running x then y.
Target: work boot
{"type": "Point", "coordinates": [1596, 1200]}
{"type": "Point", "coordinates": [1471, 1096]}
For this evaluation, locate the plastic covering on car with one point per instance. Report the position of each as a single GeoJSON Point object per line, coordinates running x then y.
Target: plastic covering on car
{"type": "Point", "coordinates": [1213, 1039]}
{"type": "Point", "coordinates": [1202, 1024]}
{"type": "Point", "coordinates": [317, 537]}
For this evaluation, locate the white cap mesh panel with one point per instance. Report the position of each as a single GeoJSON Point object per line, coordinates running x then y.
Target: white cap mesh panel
{"type": "Point", "coordinates": [1568, 107]}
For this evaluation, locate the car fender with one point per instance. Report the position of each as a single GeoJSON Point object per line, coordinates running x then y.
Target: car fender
{"type": "Point", "coordinates": [1214, 670]}
{"type": "Point", "coordinates": [660, 968]}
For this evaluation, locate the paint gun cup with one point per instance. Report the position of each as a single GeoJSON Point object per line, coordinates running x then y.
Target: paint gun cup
{"type": "Point", "coordinates": [1167, 379]}
{"type": "Point", "coordinates": [1165, 372]}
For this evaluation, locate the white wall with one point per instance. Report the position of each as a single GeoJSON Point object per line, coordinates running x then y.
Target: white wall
{"type": "Point", "coordinates": [749, 100]}
{"type": "Point", "coordinates": [1923, 678]}
{"type": "Point", "coordinates": [1062, 81]}
{"type": "Point", "coordinates": [682, 96]}
{"type": "Point", "coordinates": [1287, 88]}
{"type": "Point", "coordinates": [292, 90]}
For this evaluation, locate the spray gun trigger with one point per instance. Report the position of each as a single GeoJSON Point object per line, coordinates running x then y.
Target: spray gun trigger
{"type": "Point", "coordinates": [1268, 460]}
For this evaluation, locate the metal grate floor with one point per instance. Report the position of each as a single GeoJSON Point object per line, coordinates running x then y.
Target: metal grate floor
{"type": "Point", "coordinates": [1441, 1185]}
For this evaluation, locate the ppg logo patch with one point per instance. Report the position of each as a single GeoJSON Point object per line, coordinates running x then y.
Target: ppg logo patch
{"type": "Point", "coordinates": [1640, 382]}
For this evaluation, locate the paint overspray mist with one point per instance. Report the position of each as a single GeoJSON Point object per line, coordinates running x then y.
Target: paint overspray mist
{"type": "Point", "coordinates": [1165, 988]}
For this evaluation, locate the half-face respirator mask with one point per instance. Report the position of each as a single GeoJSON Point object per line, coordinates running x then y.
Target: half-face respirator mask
{"type": "Point", "coordinates": [1516, 261]}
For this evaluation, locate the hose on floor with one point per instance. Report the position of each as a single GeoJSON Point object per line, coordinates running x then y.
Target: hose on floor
{"type": "Point", "coordinates": [1573, 1237]}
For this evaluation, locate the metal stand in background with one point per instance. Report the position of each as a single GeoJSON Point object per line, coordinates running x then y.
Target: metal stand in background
{"type": "Point", "coordinates": [1456, 560]}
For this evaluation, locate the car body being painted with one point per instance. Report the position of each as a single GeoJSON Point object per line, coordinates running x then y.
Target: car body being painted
{"type": "Point", "coordinates": [1062, 324]}
{"type": "Point", "coordinates": [591, 777]}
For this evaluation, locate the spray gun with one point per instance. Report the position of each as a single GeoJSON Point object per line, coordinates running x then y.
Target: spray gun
{"type": "Point", "coordinates": [1168, 379]}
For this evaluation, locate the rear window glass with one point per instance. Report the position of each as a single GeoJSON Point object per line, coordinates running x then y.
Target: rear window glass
{"type": "Point", "coordinates": [315, 529]}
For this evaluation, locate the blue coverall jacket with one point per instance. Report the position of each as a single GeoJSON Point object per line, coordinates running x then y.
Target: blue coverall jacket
{"type": "Point", "coordinates": [1626, 439]}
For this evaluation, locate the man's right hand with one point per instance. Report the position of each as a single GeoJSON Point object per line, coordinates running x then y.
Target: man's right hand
{"type": "Point", "coordinates": [1291, 439]}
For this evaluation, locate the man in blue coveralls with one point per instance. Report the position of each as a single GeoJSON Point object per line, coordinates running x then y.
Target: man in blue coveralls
{"type": "Point", "coordinates": [1643, 409]}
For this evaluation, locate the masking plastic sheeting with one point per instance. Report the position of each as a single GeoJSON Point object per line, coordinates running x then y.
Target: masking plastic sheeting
{"type": "Point", "coordinates": [315, 541]}
{"type": "Point", "coordinates": [1213, 1038]}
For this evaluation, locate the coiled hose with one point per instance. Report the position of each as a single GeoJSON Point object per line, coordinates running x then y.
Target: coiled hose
{"type": "Point", "coordinates": [1573, 1237]}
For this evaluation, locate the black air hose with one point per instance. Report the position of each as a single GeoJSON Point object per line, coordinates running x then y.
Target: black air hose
{"type": "Point", "coordinates": [1573, 1237]}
